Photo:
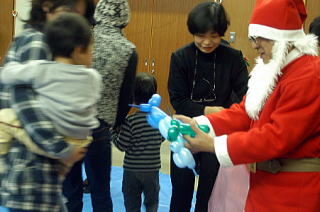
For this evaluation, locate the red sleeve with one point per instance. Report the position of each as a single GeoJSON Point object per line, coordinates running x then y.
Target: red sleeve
{"type": "Point", "coordinates": [294, 123]}
{"type": "Point", "coordinates": [230, 120]}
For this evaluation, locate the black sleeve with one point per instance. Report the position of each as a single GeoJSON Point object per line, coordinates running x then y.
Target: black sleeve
{"type": "Point", "coordinates": [179, 89]}
{"type": "Point", "coordinates": [239, 79]}
{"type": "Point", "coordinates": [126, 92]}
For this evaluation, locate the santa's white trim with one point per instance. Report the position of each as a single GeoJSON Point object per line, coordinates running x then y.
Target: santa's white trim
{"type": "Point", "coordinates": [205, 121]}
{"type": "Point", "coordinates": [264, 77]}
{"type": "Point", "coordinates": [275, 34]}
{"type": "Point", "coordinates": [221, 150]}
{"type": "Point", "coordinates": [220, 143]}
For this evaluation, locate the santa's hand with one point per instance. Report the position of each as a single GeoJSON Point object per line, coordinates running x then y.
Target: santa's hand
{"type": "Point", "coordinates": [183, 119]}
{"type": "Point", "coordinates": [202, 142]}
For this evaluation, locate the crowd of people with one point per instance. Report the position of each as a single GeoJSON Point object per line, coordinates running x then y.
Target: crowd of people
{"type": "Point", "coordinates": [69, 77]}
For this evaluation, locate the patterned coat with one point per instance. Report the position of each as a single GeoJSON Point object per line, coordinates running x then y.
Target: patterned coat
{"type": "Point", "coordinates": [31, 182]}
{"type": "Point", "coordinates": [114, 57]}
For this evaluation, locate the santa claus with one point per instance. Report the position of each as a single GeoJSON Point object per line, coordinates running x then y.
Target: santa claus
{"type": "Point", "coordinates": [276, 128]}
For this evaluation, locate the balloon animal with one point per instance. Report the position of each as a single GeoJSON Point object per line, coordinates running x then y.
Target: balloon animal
{"type": "Point", "coordinates": [172, 130]}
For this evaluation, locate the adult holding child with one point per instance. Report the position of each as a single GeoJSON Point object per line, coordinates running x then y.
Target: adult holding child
{"type": "Point", "coordinates": [32, 182]}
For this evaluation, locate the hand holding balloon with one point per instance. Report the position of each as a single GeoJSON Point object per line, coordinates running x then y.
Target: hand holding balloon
{"type": "Point", "coordinates": [172, 130]}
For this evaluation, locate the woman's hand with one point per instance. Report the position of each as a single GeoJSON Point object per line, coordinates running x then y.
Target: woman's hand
{"type": "Point", "coordinates": [202, 142]}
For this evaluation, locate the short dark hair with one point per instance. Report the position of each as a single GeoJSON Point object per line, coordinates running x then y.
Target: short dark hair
{"type": "Point", "coordinates": [38, 17]}
{"type": "Point", "coordinates": [314, 28]}
{"type": "Point", "coordinates": [66, 32]}
{"type": "Point", "coordinates": [208, 16]}
{"type": "Point", "coordinates": [145, 87]}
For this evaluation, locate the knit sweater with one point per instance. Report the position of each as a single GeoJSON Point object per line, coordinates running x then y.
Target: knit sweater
{"type": "Point", "coordinates": [115, 58]}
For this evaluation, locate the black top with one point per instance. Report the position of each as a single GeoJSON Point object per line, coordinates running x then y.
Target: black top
{"type": "Point", "coordinates": [221, 75]}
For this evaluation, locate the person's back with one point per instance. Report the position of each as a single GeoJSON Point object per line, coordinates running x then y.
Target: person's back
{"type": "Point", "coordinates": [115, 59]}
{"type": "Point", "coordinates": [34, 170]}
{"type": "Point", "coordinates": [141, 144]}
{"type": "Point", "coordinates": [67, 91]}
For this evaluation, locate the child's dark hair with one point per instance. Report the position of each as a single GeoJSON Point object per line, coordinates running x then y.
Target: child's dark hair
{"type": "Point", "coordinates": [145, 87]}
{"type": "Point", "coordinates": [38, 15]}
{"type": "Point", "coordinates": [208, 16]}
{"type": "Point", "coordinates": [66, 32]}
{"type": "Point", "coordinates": [314, 28]}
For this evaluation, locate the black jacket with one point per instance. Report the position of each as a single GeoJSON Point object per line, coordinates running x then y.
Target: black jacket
{"type": "Point", "coordinates": [222, 74]}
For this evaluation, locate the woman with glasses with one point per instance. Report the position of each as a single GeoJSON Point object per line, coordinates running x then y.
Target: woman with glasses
{"type": "Point", "coordinates": [205, 76]}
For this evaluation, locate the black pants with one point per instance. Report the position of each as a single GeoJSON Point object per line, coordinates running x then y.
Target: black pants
{"type": "Point", "coordinates": [182, 181]}
{"type": "Point", "coordinates": [98, 167]}
{"type": "Point", "coordinates": [136, 183]}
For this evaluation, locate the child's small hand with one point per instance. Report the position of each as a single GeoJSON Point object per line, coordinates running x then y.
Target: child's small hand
{"type": "Point", "coordinates": [77, 154]}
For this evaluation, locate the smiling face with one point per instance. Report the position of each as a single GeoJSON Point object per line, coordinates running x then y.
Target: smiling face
{"type": "Point", "coordinates": [207, 42]}
{"type": "Point", "coordinates": [263, 47]}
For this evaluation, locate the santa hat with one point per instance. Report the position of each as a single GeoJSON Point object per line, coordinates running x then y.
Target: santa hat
{"type": "Point", "coordinates": [280, 21]}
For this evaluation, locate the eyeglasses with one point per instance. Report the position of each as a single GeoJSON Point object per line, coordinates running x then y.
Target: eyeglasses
{"type": "Point", "coordinates": [253, 39]}
{"type": "Point", "coordinates": [256, 39]}
{"type": "Point", "coordinates": [211, 95]}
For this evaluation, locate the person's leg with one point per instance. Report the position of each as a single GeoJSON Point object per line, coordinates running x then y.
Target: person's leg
{"type": "Point", "coordinates": [86, 186]}
{"type": "Point", "coordinates": [182, 181]}
{"type": "Point", "coordinates": [98, 169]}
{"type": "Point", "coordinates": [73, 189]}
{"type": "Point", "coordinates": [18, 210]}
{"type": "Point", "coordinates": [151, 190]}
{"type": "Point", "coordinates": [209, 167]}
{"type": "Point", "coordinates": [131, 189]}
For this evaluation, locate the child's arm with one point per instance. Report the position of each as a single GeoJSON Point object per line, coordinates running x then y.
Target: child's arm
{"type": "Point", "coordinates": [122, 140]}
{"type": "Point", "coordinates": [37, 125]}
{"type": "Point", "coordinates": [15, 73]}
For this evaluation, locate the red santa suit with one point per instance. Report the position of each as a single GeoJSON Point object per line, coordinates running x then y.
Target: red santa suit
{"type": "Point", "coordinates": [278, 119]}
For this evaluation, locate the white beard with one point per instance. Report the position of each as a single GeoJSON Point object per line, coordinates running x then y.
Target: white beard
{"type": "Point", "coordinates": [264, 77]}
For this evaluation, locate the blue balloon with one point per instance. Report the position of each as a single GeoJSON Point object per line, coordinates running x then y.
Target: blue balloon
{"type": "Point", "coordinates": [158, 119]}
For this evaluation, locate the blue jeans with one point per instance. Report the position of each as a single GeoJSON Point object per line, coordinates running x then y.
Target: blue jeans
{"type": "Point", "coordinates": [98, 167]}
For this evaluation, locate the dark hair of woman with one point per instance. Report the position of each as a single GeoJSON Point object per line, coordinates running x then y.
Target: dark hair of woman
{"type": "Point", "coordinates": [145, 87]}
{"type": "Point", "coordinates": [90, 12]}
{"type": "Point", "coordinates": [314, 27]}
{"type": "Point", "coordinates": [208, 16]}
{"type": "Point", "coordinates": [40, 8]}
